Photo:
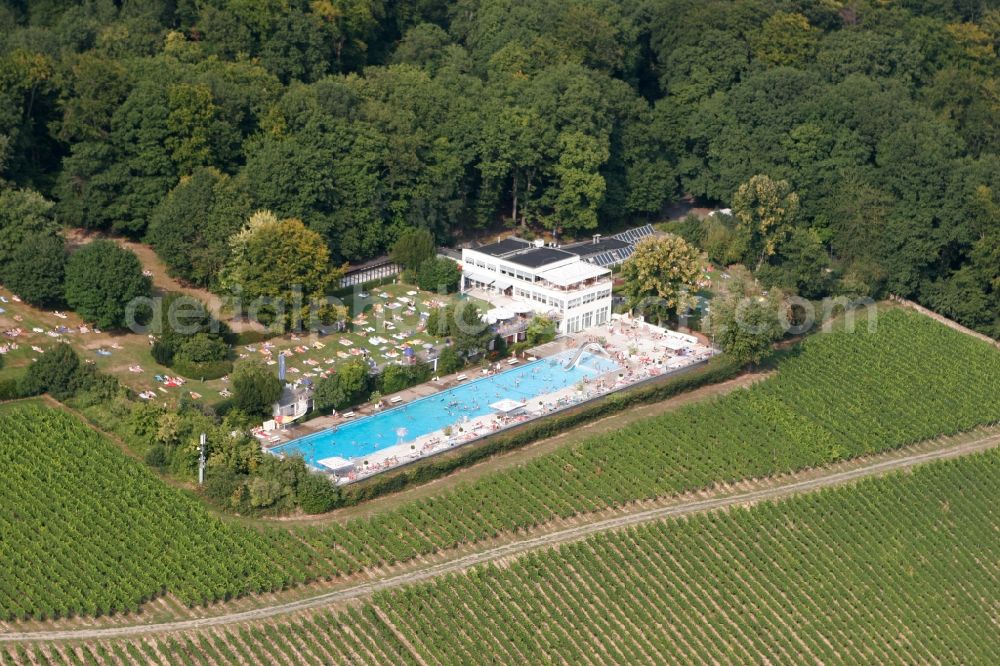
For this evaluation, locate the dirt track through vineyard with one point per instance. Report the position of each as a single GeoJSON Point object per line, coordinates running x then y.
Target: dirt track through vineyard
{"type": "Point", "coordinates": [779, 488]}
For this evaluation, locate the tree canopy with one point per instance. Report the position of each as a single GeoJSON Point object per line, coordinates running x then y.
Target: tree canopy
{"type": "Point", "coordinates": [102, 282]}
{"type": "Point", "coordinates": [255, 388]}
{"type": "Point", "coordinates": [746, 327]}
{"type": "Point", "coordinates": [37, 270]}
{"type": "Point", "coordinates": [346, 387]}
{"type": "Point", "coordinates": [765, 211]}
{"type": "Point", "coordinates": [660, 276]}
{"type": "Point", "coordinates": [279, 267]}
{"type": "Point", "coordinates": [55, 372]}
{"type": "Point", "coordinates": [413, 248]}
{"type": "Point", "coordinates": [173, 121]}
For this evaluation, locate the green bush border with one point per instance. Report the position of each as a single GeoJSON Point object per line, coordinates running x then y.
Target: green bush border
{"type": "Point", "coordinates": [718, 369]}
{"type": "Point", "coordinates": [10, 389]}
{"type": "Point", "coordinates": [204, 371]}
{"type": "Point", "coordinates": [250, 337]}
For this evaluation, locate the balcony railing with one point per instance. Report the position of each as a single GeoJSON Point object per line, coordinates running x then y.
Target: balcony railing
{"type": "Point", "coordinates": [586, 284]}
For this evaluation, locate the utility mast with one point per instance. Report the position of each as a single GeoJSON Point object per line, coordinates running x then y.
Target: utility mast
{"type": "Point", "coordinates": [201, 462]}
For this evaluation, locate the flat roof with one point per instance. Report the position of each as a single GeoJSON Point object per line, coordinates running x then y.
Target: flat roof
{"type": "Point", "coordinates": [539, 257]}
{"type": "Point", "coordinates": [335, 462]}
{"type": "Point", "coordinates": [480, 277]}
{"type": "Point", "coordinates": [505, 246]}
{"type": "Point", "coordinates": [572, 273]}
{"type": "Point", "coordinates": [507, 405]}
{"type": "Point", "coordinates": [587, 248]}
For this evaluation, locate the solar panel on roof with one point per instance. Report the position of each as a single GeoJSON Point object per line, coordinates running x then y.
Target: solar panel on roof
{"type": "Point", "coordinates": [605, 259]}
{"type": "Point", "coordinates": [635, 235]}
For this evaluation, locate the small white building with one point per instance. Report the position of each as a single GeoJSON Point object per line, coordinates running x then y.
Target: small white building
{"type": "Point", "coordinates": [294, 403]}
{"type": "Point", "coordinates": [552, 281]}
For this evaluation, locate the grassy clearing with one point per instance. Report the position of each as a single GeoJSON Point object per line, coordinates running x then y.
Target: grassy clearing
{"type": "Point", "coordinates": [120, 354]}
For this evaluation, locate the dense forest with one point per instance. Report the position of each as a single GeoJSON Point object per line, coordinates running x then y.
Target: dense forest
{"type": "Point", "coordinates": [171, 121]}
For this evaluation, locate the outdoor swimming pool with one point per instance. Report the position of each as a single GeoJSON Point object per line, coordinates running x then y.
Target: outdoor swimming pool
{"type": "Point", "coordinates": [359, 438]}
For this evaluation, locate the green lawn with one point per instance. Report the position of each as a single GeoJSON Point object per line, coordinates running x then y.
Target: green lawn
{"type": "Point", "coordinates": [127, 356]}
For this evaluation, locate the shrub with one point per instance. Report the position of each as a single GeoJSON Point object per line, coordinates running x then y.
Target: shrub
{"type": "Point", "coordinates": [316, 494]}
{"type": "Point", "coordinates": [206, 371]}
{"type": "Point", "coordinates": [10, 389]}
{"type": "Point", "coordinates": [91, 387]}
{"type": "Point", "coordinates": [498, 347]}
{"type": "Point", "coordinates": [162, 353]}
{"type": "Point", "coordinates": [519, 348]}
{"type": "Point", "coordinates": [255, 388]}
{"type": "Point", "coordinates": [395, 378]}
{"type": "Point", "coordinates": [540, 330]}
{"type": "Point", "coordinates": [202, 348]}
{"type": "Point", "coordinates": [438, 273]}
{"type": "Point", "coordinates": [55, 372]}
{"type": "Point", "coordinates": [347, 387]}
{"type": "Point", "coordinates": [449, 361]}
{"type": "Point", "coordinates": [223, 485]}
{"type": "Point", "coordinates": [191, 337]}
{"type": "Point", "coordinates": [157, 457]}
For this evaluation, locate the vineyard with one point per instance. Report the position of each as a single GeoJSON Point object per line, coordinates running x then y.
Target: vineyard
{"type": "Point", "coordinates": [902, 569]}
{"type": "Point", "coordinates": [86, 530]}
{"type": "Point", "coordinates": [91, 532]}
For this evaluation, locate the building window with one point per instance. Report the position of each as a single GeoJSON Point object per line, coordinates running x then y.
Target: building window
{"type": "Point", "coordinates": [602, 316]}
{"type": "Point", "coordinates": [587, 320]}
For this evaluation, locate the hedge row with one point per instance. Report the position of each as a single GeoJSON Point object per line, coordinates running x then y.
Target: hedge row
{"type": "Point", "coordinates": [203, 371]}
{"type": "Point", "coordinates": [716, 370]}
{"type": "Point", "coordinates": [10, 389]}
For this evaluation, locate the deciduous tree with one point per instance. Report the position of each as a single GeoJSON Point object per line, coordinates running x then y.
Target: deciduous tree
{"type": "Point", "coordinates": [255, 388]}
{"type": "Point", "coordinates": [660, 275]}
{"type": "Point", "coordinates": [765, 210]}
{"type": "Point", "coordinates": [37, 271]}
{"type": "Point", "coordinates": [413, 247]}
{"type": "Point", "coordinates": [280, 264]}
{"type": "Point", "coordinates": [102, 279]}
{"type": "Point", "coordinates": [746, 326]}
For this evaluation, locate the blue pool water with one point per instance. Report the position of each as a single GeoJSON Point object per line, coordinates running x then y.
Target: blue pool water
{"type": "Point", "coordinates": [420, 417]}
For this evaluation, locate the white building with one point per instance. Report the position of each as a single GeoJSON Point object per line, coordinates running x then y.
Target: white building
{"type": "Point", "coordinates": [552, 281]}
